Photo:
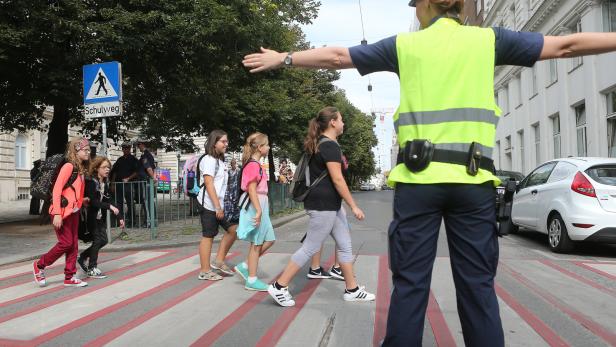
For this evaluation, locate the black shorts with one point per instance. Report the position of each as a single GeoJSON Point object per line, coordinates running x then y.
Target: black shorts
{"type": "Point", "coordinates": [210, 224]}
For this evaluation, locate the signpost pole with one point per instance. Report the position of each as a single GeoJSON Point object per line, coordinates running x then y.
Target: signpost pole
{"type": "Point", "coordinates": [104, 151]}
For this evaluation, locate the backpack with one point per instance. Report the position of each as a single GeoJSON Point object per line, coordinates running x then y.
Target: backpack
{"type": "Point", "coordinates": [43, 182]}
{"type": "Point", "coordinates": [301, 185]}
{"type": "Point", "coordinates": [244, 200]}
{"type": "Point", "coordinates": [191, 187]}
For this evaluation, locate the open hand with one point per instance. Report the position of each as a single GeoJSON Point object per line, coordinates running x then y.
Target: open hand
{"type": "Point", "coordinates": [266, 60]}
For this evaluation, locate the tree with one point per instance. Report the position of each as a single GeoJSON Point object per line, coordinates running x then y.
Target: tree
{"type": "Point", "coordinates": [181, 59]}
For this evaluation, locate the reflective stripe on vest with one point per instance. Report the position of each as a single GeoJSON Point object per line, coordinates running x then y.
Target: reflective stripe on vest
{"type": "Point", "coordinates": [447, 97]}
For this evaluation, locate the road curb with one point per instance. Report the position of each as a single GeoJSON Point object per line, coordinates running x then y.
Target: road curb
{"type": "Point", "coordinates": [278, 222]}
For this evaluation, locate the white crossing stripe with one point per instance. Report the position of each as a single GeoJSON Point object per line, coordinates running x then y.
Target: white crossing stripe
{"type": "Point", "coordinates": [50, 318]}
{"type": "Point", "coordinates": [517, 331]}
{"type": "Point", "coordinates": [607, 268]}
{"type": "Point", "coordinates": [25, 269]}
{"type": "Point", "coordinates": [198, 314]}
{"type": "Point", "coordinates": [576, 294]}
{"type": "Point", "coordinates": [29, 288]}
{"type": "Point", "coordinates": [352, 316]}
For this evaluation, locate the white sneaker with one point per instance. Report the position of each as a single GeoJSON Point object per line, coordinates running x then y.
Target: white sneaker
{"type": "Point", "coordinates": [281, 296]}
{"type": "Point", "coordinates": [75, 282]}
{"type": "Point", "coordinates": [359, 295]}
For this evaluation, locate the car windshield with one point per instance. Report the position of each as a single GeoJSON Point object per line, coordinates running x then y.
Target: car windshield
{"type": "Point", "coordinates": [604, 174]}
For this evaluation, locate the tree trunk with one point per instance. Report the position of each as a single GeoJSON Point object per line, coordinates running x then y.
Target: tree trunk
{"type": "Point", "coordinates": [58, 130]}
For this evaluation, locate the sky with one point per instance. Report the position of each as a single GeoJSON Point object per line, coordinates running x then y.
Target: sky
{"type": "Point", "coordinates": [339, 24]}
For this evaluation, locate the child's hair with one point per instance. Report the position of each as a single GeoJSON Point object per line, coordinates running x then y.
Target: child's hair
{"type": "Point", "coordinates": [317, 126]}
{"type": "Point", "coordinates": [72, 148]}
{"type": "Point", "coordinates": [210, 144]}
{"type": "Point", "coordinates": [252, 145]}
{"type": "Point", "coordinates": [96, 164]}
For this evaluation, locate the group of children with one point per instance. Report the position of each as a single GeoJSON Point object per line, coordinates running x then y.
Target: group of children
{"type": "Point", "coordinates": [80, 195]}
{"type": "Point", "coordinates": [323, 205]}
{"type": "Point", "coordinates": [245, 217]}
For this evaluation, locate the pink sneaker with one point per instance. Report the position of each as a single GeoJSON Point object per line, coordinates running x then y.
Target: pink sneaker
{"type": "Point", "coordinates": [75, 282]}
{"type": "Point", "coordinates": [39, 275]}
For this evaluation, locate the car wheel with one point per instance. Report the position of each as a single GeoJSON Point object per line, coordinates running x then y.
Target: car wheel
{"type": "Point", "coordinates": [558, 237]}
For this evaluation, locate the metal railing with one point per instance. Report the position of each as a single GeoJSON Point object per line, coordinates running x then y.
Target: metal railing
{"type": "Point", "coordinates": [148, 207]}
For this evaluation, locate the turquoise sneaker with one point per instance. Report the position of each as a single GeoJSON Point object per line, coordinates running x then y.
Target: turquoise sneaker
{"type": "Point", "coordinates": [242, 270]}
{"type": "Point", "coordinates": [257, 285]}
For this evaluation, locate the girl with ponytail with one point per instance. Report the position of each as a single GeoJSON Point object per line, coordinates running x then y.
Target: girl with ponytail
{"type": "Point", "coordinates": [324, 207]}
{"type": "Point", "coordinates": [255, 225]}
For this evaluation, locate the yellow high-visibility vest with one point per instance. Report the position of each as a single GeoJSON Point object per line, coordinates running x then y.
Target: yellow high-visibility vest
{"type": "Point", "coordinates": [447, 97]}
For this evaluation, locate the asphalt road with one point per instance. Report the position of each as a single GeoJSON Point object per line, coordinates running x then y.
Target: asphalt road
{"type": "Point", "coordinates": [152, 297]}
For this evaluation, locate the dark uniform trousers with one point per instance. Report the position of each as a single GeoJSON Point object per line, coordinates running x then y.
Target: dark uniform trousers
{"type": "Point", "coordinates": [470, 221]}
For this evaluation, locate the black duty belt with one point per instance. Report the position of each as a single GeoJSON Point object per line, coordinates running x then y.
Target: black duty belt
{"type": "Point", "coordinates": [453, 157]}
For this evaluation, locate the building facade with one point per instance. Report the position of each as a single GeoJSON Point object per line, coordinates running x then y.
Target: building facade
{"type": "Point", "coordinates": [473, 12]}
{"type": "Point", "coordinates": [558, 108]}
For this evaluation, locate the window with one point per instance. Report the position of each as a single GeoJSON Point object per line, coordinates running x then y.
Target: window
{"type": "Point", "coordinates": [519, 90]}
{"type": "Point", "coordinates": [503, 100]}
{"type": "Point", "coordinates": [479, 6]}
{"type": "Point", "coordinates": [21, 143]}
{"type": "Point", "coordinates": [553, 70]}
{"type": "Point", "coordinates": [611, 124]}
{"type": "Point", "coordinates": [540, 175]}
{"type": "Point", "coordinates": [556, 135]}
{"type": "Point", "coordinates": [609, 15]}
{"type": "Point", "coordinates": [536, 129]}
{"type": "Point", "coordinates": [576, 61]}
{"type": "Point", "coordinates": [498, 153]}
{"type": "Point", "coordinates": [562, 171]}
{"type": "Point", "coordinates": [507, 164]}
{"type": "Point", "coordinates": [580, 125]}
{"type": "Point", "coordinates": [534, 78]}
{"type": "Point", "coordinates": [521, 136]}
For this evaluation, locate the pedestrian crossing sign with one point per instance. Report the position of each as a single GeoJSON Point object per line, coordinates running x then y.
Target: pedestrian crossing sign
{"type": "Point", "coordinates": [102, 82]}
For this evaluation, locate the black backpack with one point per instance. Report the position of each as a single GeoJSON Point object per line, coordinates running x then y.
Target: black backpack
{"type": "Point", "coordinates": [244, 200]}
{"type": "Point", "coordinates": [301, 185]}
{"type": "Point", "coordinates": [43, 182]}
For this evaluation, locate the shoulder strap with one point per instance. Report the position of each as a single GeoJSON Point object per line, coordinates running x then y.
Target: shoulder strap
{"type": "Point", "coordinates": [324, 173]}
{"type": "Point", "coordinates": [199, 171]}
{"type": "Point", "coordinates": [260, 169]}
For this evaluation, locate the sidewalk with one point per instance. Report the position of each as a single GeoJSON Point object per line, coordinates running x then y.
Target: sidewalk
{"type": "Point", "coordinates": [26, 240]}
{"type": "Point", "coordinates": [15, 211]}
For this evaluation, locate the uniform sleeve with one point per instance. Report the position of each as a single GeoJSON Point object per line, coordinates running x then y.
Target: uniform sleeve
{"type": "Point", "coordinates": [145, 161]}
{"type": "Point", "coordinates": [250, 174]}
{"type": "Point", "coordinates": [379, 56]}
{"type": "Point", "coordinates": [330, 152]}
{"type": "Point", "coordinates": [521, 48]}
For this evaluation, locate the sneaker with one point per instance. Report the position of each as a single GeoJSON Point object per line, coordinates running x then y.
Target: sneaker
{"type": "Point", "coordinates": [82, 264]}
{"type": "Point", "coordinates": [317, 274]}
{"type": "Point", "coordinates": [359, 295]}
{"type": "Point", "coordinates": [75, 282]}
{"type": "Point", "coordinates": [96, 273]}
{"type": "Point", "coordinates": [281, 296]}
{"type": "Point", "coordinates": [336, 273]}
{"type": "Point", "coordinates": [242, 270]}
{"type": "Point", "coordinates": [39, 275]}
{"type": "Point", "coordinates": [209, 276]}
{"type": "Point", "coordinates": [258, 286]}
{"type": "Point", "coordinates": [222, 267]}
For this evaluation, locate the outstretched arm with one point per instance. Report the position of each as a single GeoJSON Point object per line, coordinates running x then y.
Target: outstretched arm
{"type": "Point", "coordinates": [576, 45]}
{"type": "Point", "coordinates": [321, 58]}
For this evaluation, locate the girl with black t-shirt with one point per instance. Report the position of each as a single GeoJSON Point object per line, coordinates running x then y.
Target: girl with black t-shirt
{"type": "Point", "coordinates": [324, 207]}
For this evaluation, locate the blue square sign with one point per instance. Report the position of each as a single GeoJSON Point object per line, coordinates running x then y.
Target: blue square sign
{"type": "Point", "coordinates": [102, 82]}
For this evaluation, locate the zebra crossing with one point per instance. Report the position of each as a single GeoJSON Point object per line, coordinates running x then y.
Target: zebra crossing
{"type": "Point", "coordinates": [153, 298]}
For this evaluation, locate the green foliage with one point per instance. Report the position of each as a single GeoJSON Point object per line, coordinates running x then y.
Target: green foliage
{"type": "Point", "coordinates": [182, 72]}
